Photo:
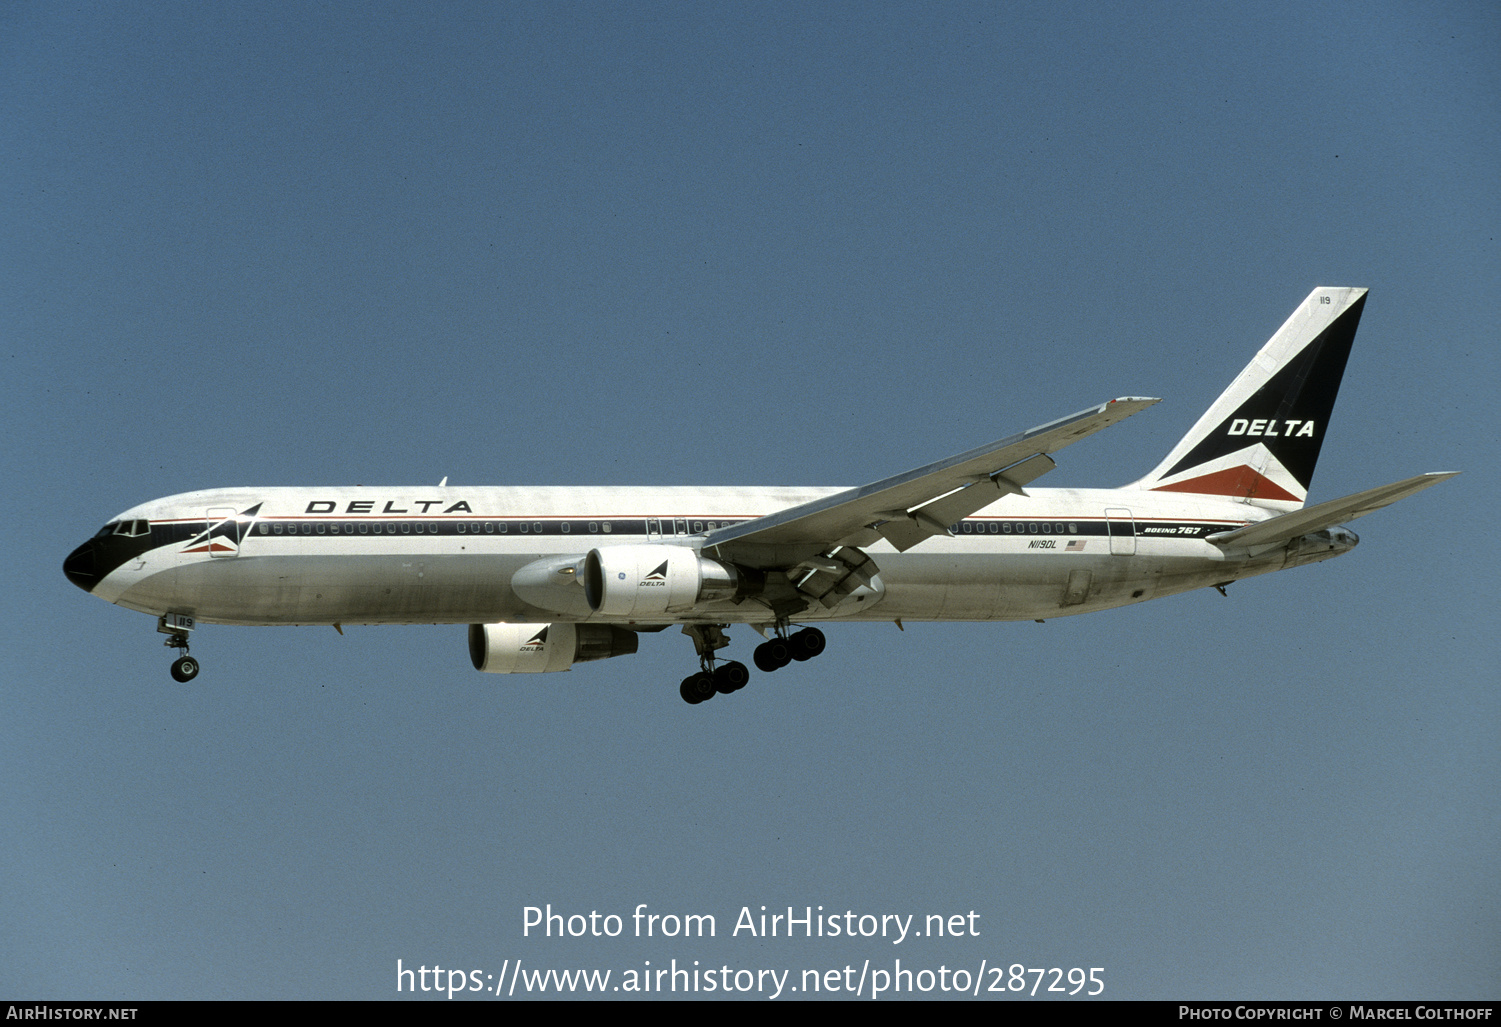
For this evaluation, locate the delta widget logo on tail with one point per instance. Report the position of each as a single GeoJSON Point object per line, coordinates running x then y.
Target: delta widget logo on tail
{"type": "Point", "coordinates": [1261, 439]}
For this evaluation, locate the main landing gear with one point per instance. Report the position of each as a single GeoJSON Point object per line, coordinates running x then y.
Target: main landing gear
{"type": "Point", "coordinates": [726, 678]}
{"type": "Point", "coordinates": [176, 628]}
{"type": "Point", "coordinates": [776, 653]}
{"type": "Point", "coordinates": [773, 654]}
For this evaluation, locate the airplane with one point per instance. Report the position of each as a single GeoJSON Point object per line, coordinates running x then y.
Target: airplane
{"type": "Point", "coordinates": [549, 577]}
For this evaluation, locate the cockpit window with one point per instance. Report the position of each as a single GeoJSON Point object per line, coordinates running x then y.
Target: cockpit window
{"type": "Point", "coordinates": [107, 529]}
{"type": "Point", "coordinates": [132, 528]}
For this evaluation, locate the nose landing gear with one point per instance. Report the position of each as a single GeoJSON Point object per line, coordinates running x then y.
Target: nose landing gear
{"type": "Point", "coordinates": [184, 668]}
{"type": "Point", "coordinates": [176, 628]}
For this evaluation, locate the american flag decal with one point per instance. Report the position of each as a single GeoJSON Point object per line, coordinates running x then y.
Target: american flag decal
{"type": "Point", "coordinates": [1076, 546]}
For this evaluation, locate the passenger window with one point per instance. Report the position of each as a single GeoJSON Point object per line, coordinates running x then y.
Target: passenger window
{"type": "Point", "coordinates": [503, 527]}
{"type": "Point", "coordinates": [1073, 529]}
{"type": "Point", "coordinates": [537, 527]}
{"type": "Point", "coordinates": [489, 527]}
{"type": "Point", "coordinates": [593, 525]}
{"type": "Point", "coordinates": [567, 526]}
{"type": "Point", "coordinates": [607, 527]}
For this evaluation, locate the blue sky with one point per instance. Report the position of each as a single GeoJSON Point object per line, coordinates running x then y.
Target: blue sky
{"type": "Point", "coordinates": [298, 244]}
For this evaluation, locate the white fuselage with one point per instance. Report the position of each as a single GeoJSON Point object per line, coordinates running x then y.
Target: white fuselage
{"type": "Point", "coordinates": [401, 555]}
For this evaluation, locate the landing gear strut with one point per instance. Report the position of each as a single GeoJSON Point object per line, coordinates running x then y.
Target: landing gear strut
{"type": "Point", "coordinates": [176, 628]}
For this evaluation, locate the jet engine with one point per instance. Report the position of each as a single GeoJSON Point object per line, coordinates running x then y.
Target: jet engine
{"type": "Point", "coordinates": [540, 648]}
{"type": "Point", "coordinates": [641, 581]}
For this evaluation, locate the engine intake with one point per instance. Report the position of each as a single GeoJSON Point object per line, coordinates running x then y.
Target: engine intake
{"type": "Point", "coordinates": [543, 648]}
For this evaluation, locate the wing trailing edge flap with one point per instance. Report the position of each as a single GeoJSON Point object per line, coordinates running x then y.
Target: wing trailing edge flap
{"type": "Point", "coordinates": [906, 528]}
{"type": "Point", "coordinates": [1326, 515]}
{"type": "Point", "coordinates": [907, 508]}
{"type": "Point", "coordinates": [835, 575]}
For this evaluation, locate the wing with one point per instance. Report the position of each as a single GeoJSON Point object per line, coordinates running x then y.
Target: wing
{"type": "Point", "coordinates": [911, 507]}
{"type": "Point", "coordinates": [1324, 515]}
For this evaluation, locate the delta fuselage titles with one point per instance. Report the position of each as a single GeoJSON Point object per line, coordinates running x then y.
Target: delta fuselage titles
{"type": "Point", "coordinates": [332, 556]}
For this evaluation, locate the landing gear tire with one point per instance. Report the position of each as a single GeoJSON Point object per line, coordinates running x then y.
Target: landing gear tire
{"type": "Point", "coordinates": [731, 677]}
{"type": "Point", "coordinates": [184, 668]}
{"type": "Point", "coordinates": [772, 654]}
{"type": "Point", "coordinates": [807, 644]}
{"type": "Point", "coordinates": [697, 687]}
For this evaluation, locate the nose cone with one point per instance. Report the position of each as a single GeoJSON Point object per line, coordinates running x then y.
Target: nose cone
{"type": "Point", "coordinates": [81, 568]}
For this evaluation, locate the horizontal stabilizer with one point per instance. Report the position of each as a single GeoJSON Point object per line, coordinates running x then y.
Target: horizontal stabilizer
{"type": "Point", "coordinates": [1325, 515]}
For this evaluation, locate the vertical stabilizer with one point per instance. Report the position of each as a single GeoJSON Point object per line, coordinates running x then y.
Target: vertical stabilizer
{"type": "Point", "coordinates": [1260, 440]}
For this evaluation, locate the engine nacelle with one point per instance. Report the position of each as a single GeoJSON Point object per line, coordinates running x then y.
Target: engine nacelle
{"type": "Point", "coordinates": [541, 648]}
{"type": "Point", "coordinates": [643, 581]}
{"type": "Point", "coordinates": [1320, 545]}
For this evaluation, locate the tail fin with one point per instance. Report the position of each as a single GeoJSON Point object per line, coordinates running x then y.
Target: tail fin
{"type": "Point", "coordinates": [1260, 440]}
